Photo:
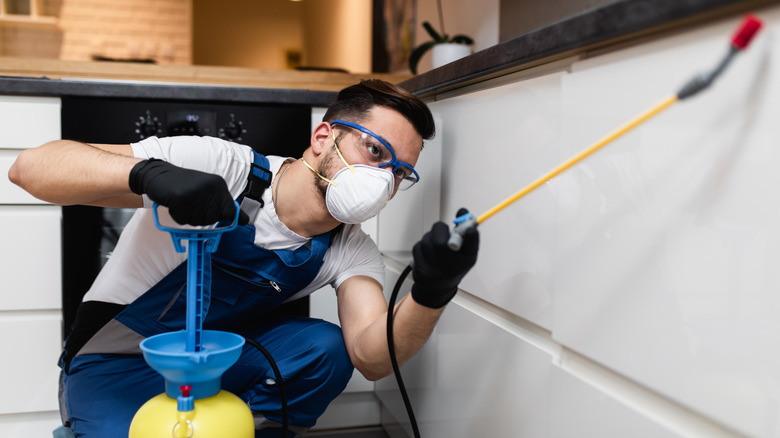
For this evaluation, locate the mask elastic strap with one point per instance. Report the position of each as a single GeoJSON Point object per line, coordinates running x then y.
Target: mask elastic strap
{"type": "Point", "coordinates": [338, 151]}
{"type": "Point", "coordinates": [318, 174]}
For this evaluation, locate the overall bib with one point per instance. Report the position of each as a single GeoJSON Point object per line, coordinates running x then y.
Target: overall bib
{"type": "Point", "coordinates": [102, 391]}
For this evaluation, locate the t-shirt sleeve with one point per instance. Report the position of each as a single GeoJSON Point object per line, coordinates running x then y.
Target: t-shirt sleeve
{"type": "Point", "coordinates": [360, 257]}
{"type": "Point", "coordinates": [232, 161]}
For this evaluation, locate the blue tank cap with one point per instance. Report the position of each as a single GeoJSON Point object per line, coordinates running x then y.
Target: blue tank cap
{"type": "Point", "coordinates": [185, 402]}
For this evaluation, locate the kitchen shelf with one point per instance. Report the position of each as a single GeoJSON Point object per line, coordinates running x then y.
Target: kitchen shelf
{"type": "Point", "coordinates": [28, 20]}
{"type": "Point", "coordinates": [25, 13]}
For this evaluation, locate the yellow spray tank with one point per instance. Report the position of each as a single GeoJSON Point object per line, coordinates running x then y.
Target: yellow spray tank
{"type": "Point", "coordinates": [223, 415]}
{"type": "Point", "coordinates": [193, 405]}
{"type": "Point", "coordinates": [192, 363]}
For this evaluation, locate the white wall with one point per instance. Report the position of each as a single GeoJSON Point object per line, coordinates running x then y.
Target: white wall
{"type": "Point", "coordinates": [637, 293]}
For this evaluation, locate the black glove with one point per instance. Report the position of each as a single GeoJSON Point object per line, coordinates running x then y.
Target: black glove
{"type": "Point", "coordinates": [192, 197]}
{"type": "Point", "coordinates": [437, 269]}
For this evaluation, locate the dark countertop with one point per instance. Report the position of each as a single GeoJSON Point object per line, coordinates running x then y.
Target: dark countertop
{"type": "Point", "coordinates": [616, 23]}
{"type": "Point", "coordinates": [619, 22]}
{"type": "Point", "coordinates": [10, 85]}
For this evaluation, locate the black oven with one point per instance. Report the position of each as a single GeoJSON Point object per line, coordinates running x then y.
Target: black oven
{"type": "Point", "coordinates": [90, 233]}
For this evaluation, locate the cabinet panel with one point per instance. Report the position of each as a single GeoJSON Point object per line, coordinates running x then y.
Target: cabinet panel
{"type": "Point", "coordinates": [495, 142]}
{"type": "Point", "coordinates": [472, 378]}
{"type": "Point", "coordinates": [28, 122]}
{"type": "Point", "coordinates": [30, 260]}
{"type": "Point", "coordinates": [668, 238]}
{"type": "Point", "coordinates": [579, 410]}
{"type": "Point", "coordinates": [411, 213]}
{"type": "Point", "coordinates": [29, 374]}
{"type": "Point", "coordinates": [39, 424]}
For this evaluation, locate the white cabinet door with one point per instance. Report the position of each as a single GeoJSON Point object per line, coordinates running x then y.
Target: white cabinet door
{"type": "Point", "coordinates": [30, 259]}
{"type": "Point", "coordinates": [29, 373]}
{"type": "Point", "coordinates": [26, 122]}
{"type": "Point", "coordinates": [669, 258]}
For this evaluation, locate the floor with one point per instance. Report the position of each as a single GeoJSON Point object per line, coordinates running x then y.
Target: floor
{"type": "Point", "coordinates": [373, 432]}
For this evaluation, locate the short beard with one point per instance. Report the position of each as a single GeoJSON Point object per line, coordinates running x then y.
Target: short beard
{"type": "Point", "coordinates": [324, 169]}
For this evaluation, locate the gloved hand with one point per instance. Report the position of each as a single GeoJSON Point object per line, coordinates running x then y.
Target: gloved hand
{"type": "Point", "coordinates": [437, 269]}
{"type": "Point", "coordinates": [192, 197]}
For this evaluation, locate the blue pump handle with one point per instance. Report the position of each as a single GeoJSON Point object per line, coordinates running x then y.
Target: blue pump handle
{"type": "Point", "coordinates": [211, 235]}
{"type": "Point", "coordinates": [201, 241]}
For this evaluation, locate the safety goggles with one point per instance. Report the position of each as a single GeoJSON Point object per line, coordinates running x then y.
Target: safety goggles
{"type": "Point", "coordinates": [378, 152]}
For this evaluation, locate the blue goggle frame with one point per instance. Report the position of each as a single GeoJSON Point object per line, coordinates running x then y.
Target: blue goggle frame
{"type": "Point", "coordinates": [414, 177]}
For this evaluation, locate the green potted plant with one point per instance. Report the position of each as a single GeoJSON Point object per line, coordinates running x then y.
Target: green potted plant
{"type": "Point", "coordinates": [446, 49]}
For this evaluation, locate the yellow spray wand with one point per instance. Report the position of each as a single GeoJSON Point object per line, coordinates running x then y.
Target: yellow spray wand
{"type": "Point", "coordinates": [748, 28]}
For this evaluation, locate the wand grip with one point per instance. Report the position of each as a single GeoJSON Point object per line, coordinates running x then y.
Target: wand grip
{"type": "Point", "coordinates": [463, 223]}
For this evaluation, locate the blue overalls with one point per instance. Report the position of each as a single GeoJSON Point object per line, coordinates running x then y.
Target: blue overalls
{"type": "Point", "coordinates": [102, 391]}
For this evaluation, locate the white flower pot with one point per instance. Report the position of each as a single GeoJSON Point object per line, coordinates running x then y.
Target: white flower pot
{"type": "Point", "coordinates": [446, 53]}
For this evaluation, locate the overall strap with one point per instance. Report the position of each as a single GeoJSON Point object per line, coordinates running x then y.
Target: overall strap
{"type": "Point", "coordinates": [259, 178]}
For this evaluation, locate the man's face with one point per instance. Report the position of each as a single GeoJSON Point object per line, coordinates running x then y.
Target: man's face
{"type": "Point", "coordinates": [389, 126]}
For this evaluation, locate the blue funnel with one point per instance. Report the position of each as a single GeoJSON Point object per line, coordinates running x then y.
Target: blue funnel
{"type": "Point", "coordinates": [167, 354]}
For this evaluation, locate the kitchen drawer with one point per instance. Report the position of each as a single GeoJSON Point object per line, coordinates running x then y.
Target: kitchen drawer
{"type": "Point", "coordinates": [27, 122]}
{"type": "Point", "coordinates": [666, 242]}
{"type": "Point", "coordinates": [30, 258]}
{"type": "Point", "coordinates": [29, 424]}
{"type": "Point", "coordinates": [472, 378]}
{"type": "Point", "coordinates": [29, 373]}
{"type": "Point", "coordinates": [579, 409]}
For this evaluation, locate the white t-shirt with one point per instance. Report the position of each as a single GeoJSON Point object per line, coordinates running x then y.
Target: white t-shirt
{"type": "Point", "coordinates": [144, 254]}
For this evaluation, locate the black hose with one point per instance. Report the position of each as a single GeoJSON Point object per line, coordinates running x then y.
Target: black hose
{"type": "Point", "coordinates": [279, 381]}
{"type": "Point", "coordinates": [391, 349]}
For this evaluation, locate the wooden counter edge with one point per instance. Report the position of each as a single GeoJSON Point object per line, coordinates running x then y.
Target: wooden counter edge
{"type": "Point", "coordinates": [207, 75]}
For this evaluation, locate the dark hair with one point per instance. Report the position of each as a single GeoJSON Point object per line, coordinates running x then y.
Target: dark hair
{"type": "Point", "coordinates": [354, 102]}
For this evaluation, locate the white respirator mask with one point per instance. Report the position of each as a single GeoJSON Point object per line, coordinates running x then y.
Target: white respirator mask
{"type": "Point", "coordinates": [357, 192]}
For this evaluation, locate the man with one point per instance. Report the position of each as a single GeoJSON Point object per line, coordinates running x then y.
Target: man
{"type": "Point", "coordinates": [300, 234]}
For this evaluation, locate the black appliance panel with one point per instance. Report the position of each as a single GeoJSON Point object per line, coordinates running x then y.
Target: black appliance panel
{"type": "Point", "coordinates": [90, 233]}
{"type": "Point", "coordinates": [269, 129]}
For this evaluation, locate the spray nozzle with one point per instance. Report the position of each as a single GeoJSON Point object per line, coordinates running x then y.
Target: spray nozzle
{"type": "Point", "coordinates": [745, 32]}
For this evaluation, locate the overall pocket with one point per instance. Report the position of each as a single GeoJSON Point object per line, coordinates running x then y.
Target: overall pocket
{"type": "Point", "coordinates": [241, 296]}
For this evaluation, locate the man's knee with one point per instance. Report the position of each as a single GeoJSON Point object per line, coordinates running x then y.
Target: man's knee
{"type": "Point", "coordinates": [316, 368]}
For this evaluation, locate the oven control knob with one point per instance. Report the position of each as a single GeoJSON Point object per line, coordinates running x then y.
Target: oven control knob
{"type": "Point", "coordinates": [233, 130]}
{"type": "Point", "coordinates": [147, 126]}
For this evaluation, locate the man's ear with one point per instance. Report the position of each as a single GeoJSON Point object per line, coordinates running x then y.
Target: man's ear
{"type": "Point", "coordinates": [321, 138]}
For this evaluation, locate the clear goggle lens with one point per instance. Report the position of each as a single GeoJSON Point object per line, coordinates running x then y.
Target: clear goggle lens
{"type": "Point", "coordinates": [375, 153]}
